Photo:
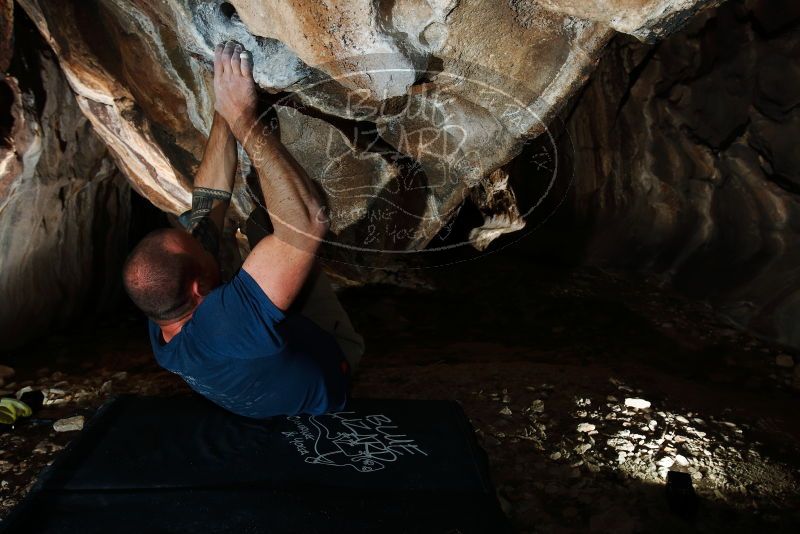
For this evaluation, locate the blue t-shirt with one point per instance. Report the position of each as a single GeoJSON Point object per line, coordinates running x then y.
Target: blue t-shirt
{"type": "Point", "coordinates": [242, 352]}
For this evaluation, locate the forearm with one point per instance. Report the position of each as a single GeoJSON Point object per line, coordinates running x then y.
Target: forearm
{"type": "Point", "coordinates": [292, 200]}
{"type": "Point", "coordinates": [218, 167]}
{"type": "Point", "coordinates": [213, 185]}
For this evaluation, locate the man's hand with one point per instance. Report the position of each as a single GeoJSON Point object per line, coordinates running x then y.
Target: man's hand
{"type": "Point", "coordinates": [234, 88]}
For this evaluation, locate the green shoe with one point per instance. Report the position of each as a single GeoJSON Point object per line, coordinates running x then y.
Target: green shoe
{"type": "Point", "coordinates": [7, 417]}
{"type": "Point", "coordinates": [11, 409]}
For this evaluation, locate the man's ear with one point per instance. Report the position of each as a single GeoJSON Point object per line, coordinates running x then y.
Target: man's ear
{"type": "Point", "coordinates": [198, 290]}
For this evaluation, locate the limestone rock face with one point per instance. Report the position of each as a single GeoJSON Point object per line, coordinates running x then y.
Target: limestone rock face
{"type": "Point", "coordinates": [686, 161]}
{"type": "Point", "coordinates": [64, 206]}
{"type": "Point", "coordinates": [418, 101]}
{"type": "Point", "coordinates": [647, 20]}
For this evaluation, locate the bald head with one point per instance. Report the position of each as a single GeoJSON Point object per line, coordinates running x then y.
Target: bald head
{"type": "Point", "coordinates": [164, 272]}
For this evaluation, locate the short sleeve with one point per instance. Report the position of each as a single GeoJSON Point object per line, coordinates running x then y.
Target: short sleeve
{"type": "Point", "coordinates": [258, 296]}
{"type": "Point", "coordinates": [237, 320]}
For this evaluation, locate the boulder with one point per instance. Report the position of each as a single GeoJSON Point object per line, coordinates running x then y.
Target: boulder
{"type": "Point", "coordinates": [443, 91]}
{"type": "Point", "coordinates": [681, 153]}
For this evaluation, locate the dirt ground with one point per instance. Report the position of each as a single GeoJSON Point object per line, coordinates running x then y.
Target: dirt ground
{"type": "Point", "coordinates": [553, 367]}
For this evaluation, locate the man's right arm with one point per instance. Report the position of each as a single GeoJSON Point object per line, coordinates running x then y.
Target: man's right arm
{"type": "Point", "coordinates": [281, 262]}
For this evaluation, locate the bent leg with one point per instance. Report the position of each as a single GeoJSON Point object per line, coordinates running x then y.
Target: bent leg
{"type": "Point", "coordinates": [320, 304]}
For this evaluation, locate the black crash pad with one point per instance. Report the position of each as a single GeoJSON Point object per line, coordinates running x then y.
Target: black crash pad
{"type": "Point", "coordinates": [184, 465]}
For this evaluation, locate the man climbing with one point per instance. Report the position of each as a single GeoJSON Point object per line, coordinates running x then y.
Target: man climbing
{"type": "Point", "coordinates": [251, 345]}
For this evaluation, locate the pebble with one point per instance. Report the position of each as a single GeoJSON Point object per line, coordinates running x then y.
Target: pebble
{"type": "Point", "coordinates": [581, 449]}
{"type": "Point", "coordinates": [621, 444]}
{"type": "Point", "coordinates": [505, 411]}
{"type": "Point", "coordinates": [23, 391]}
{"type": "Point", "coordinates": [639, 404]}
{"type": "Point", "coordinates": [46, 447]}
{"type": "Point", "coordinates": [666, 461]}
{"type": "Point", "coordinates": [681, 460]}
{"type": "Point", "coordinates": [537, 406]}
{"type": "Point", "coordinates": [586, 427]}
{"type": "Point", "coordinates": [555, 456]}
{"type": "Point", "coordinates": [6, 372]}
{"type": "Point", "coordinates": [784, 360]}
{"type": "Point", "coordinates": [70, 424]}
{"type": "Point", "coordinates": [122, 375]}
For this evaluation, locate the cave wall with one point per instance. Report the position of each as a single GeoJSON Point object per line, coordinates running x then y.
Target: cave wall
{"type": "Point", "coordinates": [392, 93]}
{"type": "Point", "coordinates": [682, 153]}
{"type": "Point", "coordinates": [64, 206]}
{"type": "Point", "coordinates": [686, 161]}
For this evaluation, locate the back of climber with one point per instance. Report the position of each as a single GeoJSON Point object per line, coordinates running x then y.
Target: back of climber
{"type": "Point", "coordinates": [244, 344]}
